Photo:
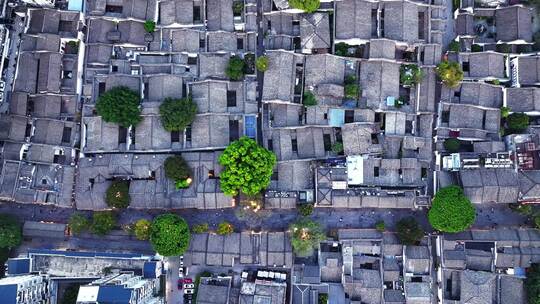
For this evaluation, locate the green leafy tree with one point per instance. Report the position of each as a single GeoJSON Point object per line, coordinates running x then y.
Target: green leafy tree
{"type": "Point", "coordinates": [475, 48]}
{"type": "Point", "coordinates": [120, 105]}
{"type": "Point", "coordinates": [169, 235]}
{"type": "Point", "coordinates": [176, 168]}
{"type": "Point", "coordinates": [103, 222]}
{"type": "Point", "coordinates": [450, 73]}
{"type": "Point", "coordinates": [337, 147]}
{"type": "Point", "coordinates": [225, 228]}
{"type": "Point", "coordinates": [342, 49]}
{"type": "Point", "coordinates": [78, 223]}
{"type": "Point", "coordinates": [323, 298]}
{"type": "Point", "coordinates": [451, 211]}
{"type": "Point", "coordinates": [408, 231]}
{"type": "Point", "coordinates": [177, 114]}
{"type": "Point", "coordinates": [351, 91]}
{"type": "Point", "coordinates": [305, 209]}
{"type": "Point", "coordinates": [238, 7]}
{"type": "Point", "coordinates": [454, 46]}
{"type": "Point", "coordinates": [505, 112]}
{"type": "Point", "coordinates": [309, 6]}
{"type": "Point", "coordinates": [524, 209]}
{"type": "Point", "coordinates": [149, 26]}
{"type": "Point", "coordinates": [262, 63]}
{"type": "Point", "coordinates": [200, 228]}
{"type": "Point", "coordinates": [380, 226]}
{"type": "Point", "coordinates": [309, 99]}
{"type": "Point", "coordinates": [351, 87]}
{"type": "Point", "coordinates": [10, 232]}
{"type": "Point", "coordinates": [452, 145]}
{"type": "Point", "coordinates": [517, 122]}
{"type": "Point", "coordinates": [410, 74]}
{"type": "Point", "coordinates": [306, 236]}
{"type": "Point", "coordinates": [247, 167]}
{"type": "Point", "coordinates": [532, 284]}
{"type": "Point", "coordinates": [142, 229]}
{"type": "Point", "coordinates": [117, 195]}
{"type": "Point", "coordinates": [235, 68]}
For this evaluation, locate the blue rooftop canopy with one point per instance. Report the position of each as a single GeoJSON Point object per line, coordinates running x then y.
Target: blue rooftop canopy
{"type": "Point", "coordinates": [336, 117]}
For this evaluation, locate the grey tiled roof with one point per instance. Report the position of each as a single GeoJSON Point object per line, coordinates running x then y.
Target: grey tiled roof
{"type": "Point", "coordinates": [379, 80]}
{"type": "Point", "coordinates": [279, 78]}
{"type": "Point", "coordinates": [487, 64]}
{"type": "Point", "coordinates": [465, 24]}
{"type": "Point", "coordinates": [529, 68]}
{"type": "Point", "coordinates": [186, 40]}
{"type": "Point", "coordinates": [324, 69]}
{"type": "Point", "coordinates": [315, 31]}
{"type": "Point", "coordinates": [176, 11]}
{"type": "Point", "coordinates": [266, 249]}
{"type": "Point", "coordinates": [353, 19]}
{"type": "Point", "coordinates": [41, 42]}
{"type": "Point", "coordinates": [523, 99]}
{"type": "Point", "coordinates": [219, 15]}
{"type": "Point", "coordinates": [516, 21]}
{"type": "Point", "coordinates": [401, 21]}
{"type": "Point", "coordinates": [478, 287]}
{"type": "Point", "coordinates": [490, 185]}
{"type": "Point", "coordinates": [221, 41]}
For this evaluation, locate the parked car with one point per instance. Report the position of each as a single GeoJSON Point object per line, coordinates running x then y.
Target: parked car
{"type": "Point", "coordinates": [180, 283]}
{"type": "Point", "coordinates": [181, 272]}
{"type": "Point", "coordinates": [188, 281]}
{"type": "Point", "coordinates": [189, 286]}
{"type": "Point", "coordinates": [189, 291]}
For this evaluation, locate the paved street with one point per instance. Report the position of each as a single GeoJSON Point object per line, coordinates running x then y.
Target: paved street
{"type": "Point", "coordinates": [275, 220]}
{"type": "Point", "coordinates": [173, 294]}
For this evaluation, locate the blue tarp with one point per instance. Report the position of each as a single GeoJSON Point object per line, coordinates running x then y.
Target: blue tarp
{"type": "Point", "coordinates": [75, 5]}
{"type": "Point", "coordinates": [250, 126]}
{"type": "Point", "coordinates": [84, 254]}
{"type": "Point", "coordinates": [18, 266]}
{"type": "Point", "coordinates": [336, 117]}
{"type": "Point", "coordinates": [149, 270]}
{"type": "Point", "coordinates": [116, 294]}
{"type": "Point", "coordinates": [8, 294]}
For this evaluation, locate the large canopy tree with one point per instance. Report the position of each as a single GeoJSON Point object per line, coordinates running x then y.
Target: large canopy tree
{"type": "Point", "coordinates": [103, 222]}
{"type": "Point", "coordinates": [306, 236]}
{"type": "Point", "coordinates": [451, 210]}
{"type": "Point", "coordinates": [169, 235]}
{"type": "Point", "coordinates": [409, 231]}
{"type": "Point", "coordinates": [517, 122]}
{"type": "Point", "coordinates": [247, 167]}
{"type": "Point", "coordinates": [235, 68]}
{"type": "Point", "coordinates": [176, 168]}
{"type": "Point", "coordinates": [141, 228]}
{"type": "Point", "coordinates": [78, 223]}
{"type": "Point", "coordinates": [10, 232]}
{"type": "Point", "coordinates": [120, 105]}
{"type": "Point", "coordinates": [532, 284]}
{"type": "Point", "coordinates": [306, 5]}
{"type": "Point", "coordinates": [177, 114]}
{"type": "Point", "coordinates": [117, 195]}
{"type": "Point", "coordinates": [450, 73]}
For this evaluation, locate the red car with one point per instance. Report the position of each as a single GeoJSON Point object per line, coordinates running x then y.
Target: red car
{"type": "Point", "coordinates": [188, 281]}
{"type": "Point", "coordinates": [181, 283]}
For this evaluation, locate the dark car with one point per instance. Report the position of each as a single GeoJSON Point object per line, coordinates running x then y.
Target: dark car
{"type": "Point", "coordinates": [180, 283]}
